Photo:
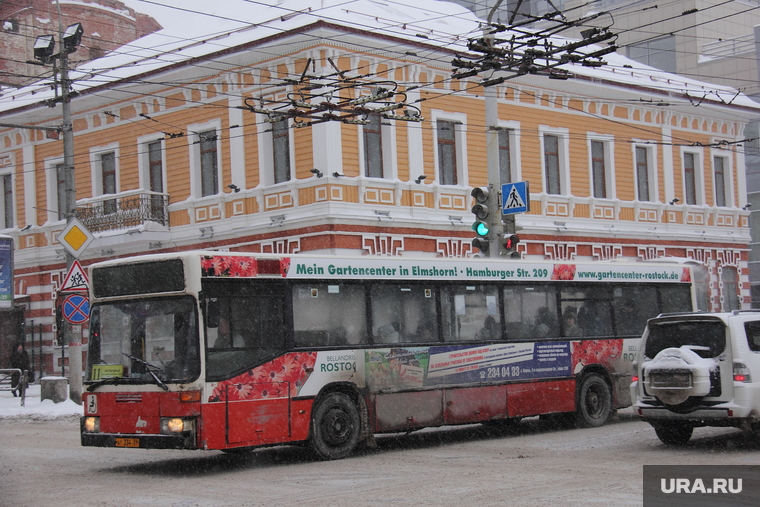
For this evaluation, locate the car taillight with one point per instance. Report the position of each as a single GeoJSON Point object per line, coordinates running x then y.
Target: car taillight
{"type": "Point", "coordinates": [635, 378]}
{"type": "Point", "coordinates": [741, 373]}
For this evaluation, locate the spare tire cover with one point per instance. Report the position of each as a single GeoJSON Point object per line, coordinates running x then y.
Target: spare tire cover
{"type": "Point", "coordinates": [677, 374]}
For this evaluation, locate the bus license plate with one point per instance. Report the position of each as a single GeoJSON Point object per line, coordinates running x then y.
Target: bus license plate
{"type": "Point", "coordinates": [127, 442]}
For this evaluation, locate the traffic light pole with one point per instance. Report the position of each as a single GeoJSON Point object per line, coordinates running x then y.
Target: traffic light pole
{"type": "Point", "coordinates": [492, 153]}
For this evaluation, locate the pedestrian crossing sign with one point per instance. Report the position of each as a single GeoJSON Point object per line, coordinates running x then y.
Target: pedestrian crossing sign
{"type": "Point", "coordinates": [515, 198]}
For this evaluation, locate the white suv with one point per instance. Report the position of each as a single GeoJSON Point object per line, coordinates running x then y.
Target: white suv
{"type": "Point", "coordinates": [698, 369]}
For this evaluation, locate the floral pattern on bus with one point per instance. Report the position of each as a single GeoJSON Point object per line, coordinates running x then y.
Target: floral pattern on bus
{"type": "Point", "coordinates": [228, 265]}
{"type": "Point", "coordinates": [278, 378]}
{"type": "Point", "coordinates": [241, 267]}
{"type": "Point", "coordinates": [563, 272]}
{"type": "Point", "coordinates": [603, 352]}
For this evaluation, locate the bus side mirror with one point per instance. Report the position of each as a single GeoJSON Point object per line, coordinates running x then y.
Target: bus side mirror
{"type": "Point", "coordinates": [212, 313]}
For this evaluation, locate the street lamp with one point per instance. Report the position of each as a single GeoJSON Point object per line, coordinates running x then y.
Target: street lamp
{"type": "Point", "coordinates": [43, 49]}
{"type": "Point", "coordinates": [72, 37]}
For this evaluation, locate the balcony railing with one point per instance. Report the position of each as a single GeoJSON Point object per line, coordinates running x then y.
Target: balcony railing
{"type": "Point", "coordinates": [123, 211]}
{"type": "Point", "coordinates": [725, 48]}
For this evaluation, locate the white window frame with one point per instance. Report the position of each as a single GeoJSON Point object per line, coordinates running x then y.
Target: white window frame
{"type": "Point", "coordinates": [8, 172]}
{"type": "Point", "coordinates": [266, 151]}
{"type": "Point", "coordinates": [388, 139]}
{"type": "Point", "coordinates": [608, 144]}
{"type": "Point", "coordinates": [460, 142]}
{"type": "Point", "coordinates": [143, 161]}
{"type": "Point", "coordinates": [728, 175]}
{"type": "Point", "coordinates": [699, 176]}
{"type": "Point", "coordinates": [651, 151]}
{"type": "Point", "coordinates": [193, 142]}
{"type": "Point", "coordinates": [51, 188]}
{"type": "Point", "coordinates": [563, 145]}
{"type": "Point", "coordinates": [96, 168]}
{"type": "Point", "coordinates": [730, 299]}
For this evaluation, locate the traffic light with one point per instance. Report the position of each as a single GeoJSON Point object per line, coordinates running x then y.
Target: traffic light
{"type": "Point", "coordinates": [510, 245]}
{"type": "Point", "coordinates": [482, 210]}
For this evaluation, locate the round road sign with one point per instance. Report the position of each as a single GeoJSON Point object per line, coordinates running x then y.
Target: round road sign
{"type": "Point", "coordinates": [76, 308]}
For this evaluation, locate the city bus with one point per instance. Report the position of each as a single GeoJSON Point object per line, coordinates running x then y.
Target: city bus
{"type": "Point", "coordinates": [234, 351]}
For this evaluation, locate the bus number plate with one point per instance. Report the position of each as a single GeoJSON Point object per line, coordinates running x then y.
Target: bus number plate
{"type": "Point", "coordinates": [127, 442]}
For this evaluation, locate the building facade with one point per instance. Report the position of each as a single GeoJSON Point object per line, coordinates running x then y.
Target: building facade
{"type": "Point", "coordinates": [207, 153]}
{"type": "Point", "coordinates": [715, 42]}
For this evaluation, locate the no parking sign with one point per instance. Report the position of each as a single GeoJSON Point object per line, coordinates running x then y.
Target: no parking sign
{"type": "Point", "coordinates": [76, 308]}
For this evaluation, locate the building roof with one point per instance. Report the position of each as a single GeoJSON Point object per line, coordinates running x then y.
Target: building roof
{"type": "Point", "coordinates": [196, 31]}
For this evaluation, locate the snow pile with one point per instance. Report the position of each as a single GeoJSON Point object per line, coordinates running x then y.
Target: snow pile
{"type": "Point", "coordinates": [35, 409]}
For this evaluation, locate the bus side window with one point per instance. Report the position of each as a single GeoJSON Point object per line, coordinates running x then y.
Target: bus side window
{"type": "Point", "coordinates": [633, 306]}
{"type": "Point", "coordinates": [530, 312]}
{"type": "Point", "coordinates": [677, 298]}
{"type": "Point", "coordinates": [403, 313]}
{"type": "Point", "coordinates": [329, 314]}
{"type": "Point", "coordinates": [466, 310]}
{"type": "Point", "coordinates": [590, 307]}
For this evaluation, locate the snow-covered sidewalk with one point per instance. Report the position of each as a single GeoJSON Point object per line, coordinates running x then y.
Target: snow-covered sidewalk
{"type": "Point", "coordinates": [10, 407]}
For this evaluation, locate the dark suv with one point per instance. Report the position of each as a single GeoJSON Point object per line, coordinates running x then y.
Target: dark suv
{"type": "Point", "coordinates": [698, 369]}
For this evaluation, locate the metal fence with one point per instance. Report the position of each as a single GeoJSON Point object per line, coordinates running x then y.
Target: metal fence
{"type": "Point", "coordinates": [123, 212]}
{"type": "Point", "coordinates": [13, 379]}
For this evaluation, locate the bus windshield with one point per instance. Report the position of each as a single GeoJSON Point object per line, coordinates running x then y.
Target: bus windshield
{"type": "Point", "coordinates": [147, 341]}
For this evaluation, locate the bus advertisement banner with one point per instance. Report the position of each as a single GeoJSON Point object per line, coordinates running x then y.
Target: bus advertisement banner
{"type": "Point", "coordinates": [423, 367]}
{"type": "Point", "coordinates": [464, 270]}
{"type": "Point", "coordinates": [466, 365]}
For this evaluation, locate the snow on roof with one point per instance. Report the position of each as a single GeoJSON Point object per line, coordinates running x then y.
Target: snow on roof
{"type": "Point", "coordinates": [195, 29]}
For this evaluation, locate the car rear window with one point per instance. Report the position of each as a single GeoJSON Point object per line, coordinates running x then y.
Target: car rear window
{"type": "Point", "coordinates": [700, 333]}
{"type": "Point", "coordinates": [752, 330]}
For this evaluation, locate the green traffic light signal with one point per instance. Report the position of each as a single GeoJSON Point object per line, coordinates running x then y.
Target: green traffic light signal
{"type": "Point", "coordinates": [481, 210]}
{"type": "Point", "coordinates": [481, 228]}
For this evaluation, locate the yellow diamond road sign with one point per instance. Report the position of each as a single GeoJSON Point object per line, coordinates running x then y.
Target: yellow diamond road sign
{"type": "Point", "coordinates": [75, 238]}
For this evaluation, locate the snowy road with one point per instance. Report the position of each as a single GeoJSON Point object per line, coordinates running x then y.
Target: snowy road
{"type": "Point", "coordinates": [532, 465]}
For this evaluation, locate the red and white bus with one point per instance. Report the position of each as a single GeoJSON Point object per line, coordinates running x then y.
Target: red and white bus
{"type": "Point", "coordinates": [213, 350]}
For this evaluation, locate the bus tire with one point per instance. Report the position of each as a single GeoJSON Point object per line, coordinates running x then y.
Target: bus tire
{"type": "Point", "coordinates": [335, 426]}
{"type": "Point", "coordinates": [594, 402]}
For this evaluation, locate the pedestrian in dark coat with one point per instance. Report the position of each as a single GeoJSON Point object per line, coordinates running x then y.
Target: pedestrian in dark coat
{"type": "Point", "coordinates": [20, 360]}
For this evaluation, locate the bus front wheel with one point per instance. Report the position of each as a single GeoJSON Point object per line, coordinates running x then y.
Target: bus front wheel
{"type": "Point", "coordinates": [335, 427]}
{"type": "Point", "coordinates": [594, 402]}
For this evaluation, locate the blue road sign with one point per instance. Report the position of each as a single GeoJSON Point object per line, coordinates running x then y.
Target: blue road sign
{"type": "Point", "coordinates": [76, 308]}
{"type": "Point", "coordinates": [515, 198]}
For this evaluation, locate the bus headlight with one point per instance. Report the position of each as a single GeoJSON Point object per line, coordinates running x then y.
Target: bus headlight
{"type": "Point", "coordinates": [92, 424]}
{"type": "Point", "coordinates": [171, 425]}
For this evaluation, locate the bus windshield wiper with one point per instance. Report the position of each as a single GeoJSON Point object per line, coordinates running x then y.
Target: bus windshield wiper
{"type": "Point", "coordinates": [152, 374]}
{"type": "Point", "coordinates": [109, 380]}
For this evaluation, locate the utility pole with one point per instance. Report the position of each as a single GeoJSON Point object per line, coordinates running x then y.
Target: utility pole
{"type": "Point", "coordinates": [72, 332]}
{"type": "Point", "coordinates": [44, 48]}
{"type": "Point", "coordinates": [492, 152]}
{"type": "Point", "coordinates": [536, 52]}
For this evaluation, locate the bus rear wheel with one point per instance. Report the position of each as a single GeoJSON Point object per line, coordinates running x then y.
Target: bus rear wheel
{"type": "Point", "coordinates": [594, 402]}
{"type": "Point", "coordinates": [335, 427]}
